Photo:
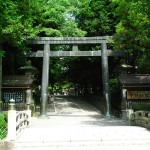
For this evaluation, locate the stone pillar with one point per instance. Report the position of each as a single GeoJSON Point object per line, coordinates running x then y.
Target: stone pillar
{"type": "Point", "coordinates": [28, 111]}
{"type": "Point", "coordinates": [124, 104]}
{"type": "Point", "coordinates": [75, 47]}
{"type": "Point", "coordinates": [105, 76]}
{"type": "Point", "coordinates": [45, 80]}
{"type": "Point", "coordinates": [129, 112]}
{"type": "Point", "coordinates": [28, 96]}
{"type": "Point", "coordinates": [11, 135]}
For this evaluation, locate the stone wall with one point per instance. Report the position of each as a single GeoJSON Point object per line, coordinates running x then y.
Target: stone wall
{"type": "Point", "coordinates": [140, 118]}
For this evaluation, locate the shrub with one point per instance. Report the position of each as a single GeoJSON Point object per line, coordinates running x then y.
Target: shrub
{"type": "Point", "coordinates": [138, 107]}
{"type": "Point", "coordinates": [115, 93]}
{"type": "Point", "coordinates": [3, 126]}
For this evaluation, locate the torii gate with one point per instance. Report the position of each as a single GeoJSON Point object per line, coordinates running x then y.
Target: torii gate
{"type": "Point", "coordinates": [74, 41]}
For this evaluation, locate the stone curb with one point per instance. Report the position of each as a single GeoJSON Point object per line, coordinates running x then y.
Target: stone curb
{"type": "Point", "coordinates": [6, 145]}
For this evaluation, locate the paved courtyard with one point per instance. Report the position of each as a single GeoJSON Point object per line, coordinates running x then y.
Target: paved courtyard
{"type": "Point", "coordinates": [72, 124]}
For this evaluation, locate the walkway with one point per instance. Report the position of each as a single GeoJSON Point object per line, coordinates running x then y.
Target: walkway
{"type": "Point", "coordinates": [72, 124]}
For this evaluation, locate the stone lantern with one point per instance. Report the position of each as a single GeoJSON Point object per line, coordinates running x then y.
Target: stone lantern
{"type": "Point", "coordinates": [28, 69]}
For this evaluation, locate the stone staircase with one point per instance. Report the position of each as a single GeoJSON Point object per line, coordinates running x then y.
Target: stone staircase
{"type": "Point", "coordinates": [74, 125]}
{"type": "Point", "coordinates": [82, 133]}
{"type": "Point", "coordinates": [86, 145]}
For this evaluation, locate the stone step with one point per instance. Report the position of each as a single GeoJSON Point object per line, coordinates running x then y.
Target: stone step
{"type": "Point", "coordinates": [87, 138]}
{"type": "Point", "coordinates": [131, 147]}
{"type": "Point", "coordinates": [86, 145]}
{"type": "Point", "coordinates": [67, 134]}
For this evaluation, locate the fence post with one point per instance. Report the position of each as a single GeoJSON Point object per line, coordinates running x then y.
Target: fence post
{"type": "Point", "coordinates": [130, 112]}
{"type": "Point", "coordinates": [11, 121]}
{"type": "Point", "coordinates": [28, 111]}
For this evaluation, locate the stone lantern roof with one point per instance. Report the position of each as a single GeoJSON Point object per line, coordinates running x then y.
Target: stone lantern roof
{"type": "Point", "coordinates": [17, 81]}
{"type": "Point", "coordinates": [28, 68]}
{"type": "Point", "coordinates": [135, 80]}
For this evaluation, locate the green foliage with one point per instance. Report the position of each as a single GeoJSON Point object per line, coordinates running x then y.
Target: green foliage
{"type": "Point", "coordinates": [144, 63]}
{"type": "Point", "coordinates": [1, 53]}
{"type": "Point", "coordinates": [25, 19]}
{"type": "Point", "coordinates": [97, 17]}
{"type": "Point", "coordinates": [3, 126]}
{"type": "Point", "coordinates": [67, 85]}
{"type": "Point", "coordinates": [132, 31]}
{"type": "Point", "coordinates": [139, 107]}
{"type": "Point", "coordinates": [115, 94]}
{"type": "Point", "coordinates": [114, 86]}
{"type": "Point", "coordinates": [13, 23]}
{"type": "Point", "coordinates": [71, 29]}
{"type": "Point", "coordinates": [134, 23]}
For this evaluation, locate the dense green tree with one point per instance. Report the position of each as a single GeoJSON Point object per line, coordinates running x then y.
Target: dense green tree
{"type": "Point", "coordinates": [16, 24]}
{"type": "Point", "coordinates": [132, 32]}
{"type": "Point", "coordinates": [97, 17]}
{"type": "Point", "coordinates": [25, 19]}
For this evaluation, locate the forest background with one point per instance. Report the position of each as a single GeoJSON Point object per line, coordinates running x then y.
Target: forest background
{"type": "Point", "coordinates": [128, 21]}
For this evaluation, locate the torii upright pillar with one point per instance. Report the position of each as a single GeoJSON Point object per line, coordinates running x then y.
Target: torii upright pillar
{"type": "Point", "coordinates": [45, 80]}
{"type": "Point", "coordinates": [105, 77]}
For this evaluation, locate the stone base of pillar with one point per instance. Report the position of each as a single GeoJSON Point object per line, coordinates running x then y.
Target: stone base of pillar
{"type": "Point", "coordinates": [124, 114]}
{"type": "Point", "coordinates": [43, 117]}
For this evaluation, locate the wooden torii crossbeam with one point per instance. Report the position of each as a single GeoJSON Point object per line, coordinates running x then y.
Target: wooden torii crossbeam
{"type": "Point", "coordinates": [74, 41]}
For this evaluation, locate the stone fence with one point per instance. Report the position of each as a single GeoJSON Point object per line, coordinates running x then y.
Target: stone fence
{"type": "Point", "coordinates": [140, 118]}
{"type": "Point", "coordinates": [17, 121]}
{"type": "Point", "coordinates": [19, 116]}
{"type": "Point", "coordinates": [4, 107]}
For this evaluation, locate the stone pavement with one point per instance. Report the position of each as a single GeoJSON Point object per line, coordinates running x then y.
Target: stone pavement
{"type": "Point", "coordinates": [75, 125]}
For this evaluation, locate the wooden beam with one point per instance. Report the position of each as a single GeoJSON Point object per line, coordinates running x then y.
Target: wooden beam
{"type": "Point", "coordinates": [75, 53]}
{"type": "Point", "coordinates": [70, 40]}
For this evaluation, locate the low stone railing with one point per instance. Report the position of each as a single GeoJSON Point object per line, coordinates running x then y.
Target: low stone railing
{"type": "Point", "coordinates": [140, 118]}
{"type": "Point", "coordinates": [4, 107]}
{"type": "Point", "coordinates": [17, 120]}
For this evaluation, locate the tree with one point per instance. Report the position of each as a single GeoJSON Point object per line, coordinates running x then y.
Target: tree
{"type": "Point", "coordinates": [25, 19]}
{"type": "Point", "coordinates": [97, 17]}
{"type": "Point", "coordinates": [16, 24]}
{"type": "Point", "coordinates": [132, 32]}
